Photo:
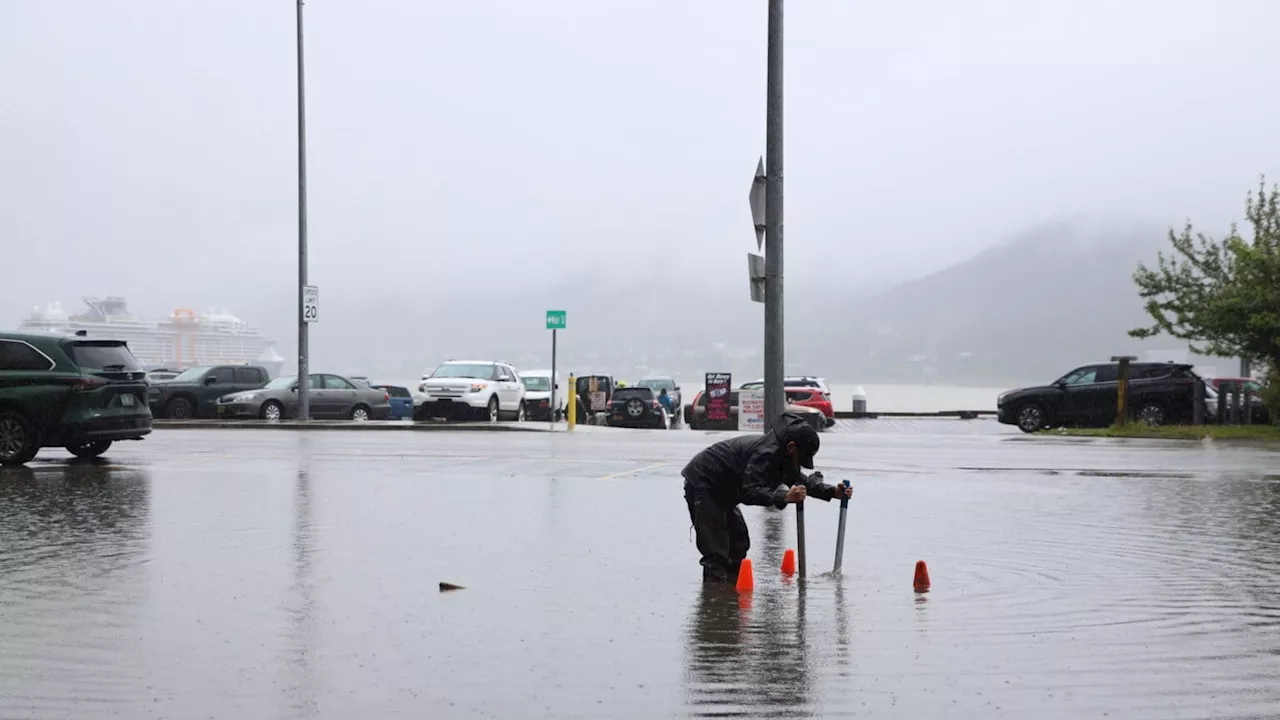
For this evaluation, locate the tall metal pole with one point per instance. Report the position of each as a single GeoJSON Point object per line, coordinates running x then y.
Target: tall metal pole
{"type": "Point", "coordinates": [304, 406]}
{"type": "Point", "coordinates": [555, 379]}
{"type": "Point", "coordinates": [774, 397]}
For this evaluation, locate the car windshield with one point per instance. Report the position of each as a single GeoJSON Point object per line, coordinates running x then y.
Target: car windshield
{"type": "Point", "coordinates": [657, 384]}
{"type": "Point", "coordinates": [103, 356]}
{"type": "Point", "coordinates": [536, 383]}
{"type": "Point", "coordinates": [283, 382]}
{"type": "Point", "coordinates": [463, 370]}
{"type": "Point", "coordinates": [190, 374]}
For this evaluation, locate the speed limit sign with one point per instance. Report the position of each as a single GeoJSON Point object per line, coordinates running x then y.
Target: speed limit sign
{"type": "Point", "coordinates": [310, 304]}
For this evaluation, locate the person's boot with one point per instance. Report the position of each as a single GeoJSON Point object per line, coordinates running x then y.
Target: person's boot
{"type": "Point", "coordinates": [716, 575]}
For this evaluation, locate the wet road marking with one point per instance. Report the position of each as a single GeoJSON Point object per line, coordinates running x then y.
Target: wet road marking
{"type": "Point", "coordinates": [634, 470]}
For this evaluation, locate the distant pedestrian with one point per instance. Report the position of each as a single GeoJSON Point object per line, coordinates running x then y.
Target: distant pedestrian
{"type": "Point", "coordinates": [749, 470]}
{"type": "Point", "coordinates": [665, 400]}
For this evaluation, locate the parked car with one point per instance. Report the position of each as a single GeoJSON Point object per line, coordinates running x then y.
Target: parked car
{"type": "Point", "coordinates": [400, 398]}
{"type": "Point", "coordinates": [1260, 414]}
{"type": "Point", "coordinates": [1159, 393]}
{"type": "Point", "coordinates": [658, 384]}
{"type": "Point", "coordinates": [696, 414]}
{"type": "Point", "coordinates": [67, 391]}
{"type": "Point", "coordinates": [195, 392]}
{"type": "Point", "coordinates": [161, 374]}
{"type": "Point", "coordinates": [462, 389]}
{"type": "Point", "coordinates": [812, 397]}
{"type": "Point", "coordinates": [329, 397]}
{"type": "Point", "coordinates": [637, 407]}
{"type": "Point", "coordinates": [592, 403]}
{"type": "Point", "coordinates": [794, 381]}
{"type": "Point", "coordinates": [537, 395]}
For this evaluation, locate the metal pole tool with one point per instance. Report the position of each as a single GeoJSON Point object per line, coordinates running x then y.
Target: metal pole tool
{"type": "Point", "coordinates": [844, 512]}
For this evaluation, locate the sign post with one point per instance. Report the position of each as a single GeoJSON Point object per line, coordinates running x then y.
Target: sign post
{"type": "Point", "coordinates": [310, 304]}
{"type": "Point", "coordinates": [556, 321]}
{"type": "Point", "coordinates": [751, 410]}
{"type": "Point", "coordinates": [1122, 388]}
{"type": "Point", "coordinates": [717, 389]}
{"type": "Point", "coordinates": [310, 314]}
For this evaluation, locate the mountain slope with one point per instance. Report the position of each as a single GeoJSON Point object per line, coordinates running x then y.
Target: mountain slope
{"type": "Point", "coordinates": [1027, 309]}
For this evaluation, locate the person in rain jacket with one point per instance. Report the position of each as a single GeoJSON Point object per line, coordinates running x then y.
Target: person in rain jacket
{"type": "Point", "coordinates": [749, 470]}
{"type": "Point", "coordinates": [665, 400]}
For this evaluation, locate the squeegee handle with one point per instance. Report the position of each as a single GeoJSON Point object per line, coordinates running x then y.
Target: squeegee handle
{"type": "Point", "coordinates": [844, 502]}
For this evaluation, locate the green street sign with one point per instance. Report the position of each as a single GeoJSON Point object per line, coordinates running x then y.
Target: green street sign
{"type": "Point", "coordinates": [556, 320]}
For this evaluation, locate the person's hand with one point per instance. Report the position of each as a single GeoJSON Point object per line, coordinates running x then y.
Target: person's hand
{"type": "Point", "coordinates": [796, 494]}
{"type": "Point", "coordinates": [842, 492]}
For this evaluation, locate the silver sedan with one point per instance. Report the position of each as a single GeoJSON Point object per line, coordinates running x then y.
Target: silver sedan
{"type": "Point", "coordinates": [331, 397]}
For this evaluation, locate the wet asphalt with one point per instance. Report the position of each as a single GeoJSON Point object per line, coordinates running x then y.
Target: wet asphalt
{"type": "Point", "coordinates": [282, 574]}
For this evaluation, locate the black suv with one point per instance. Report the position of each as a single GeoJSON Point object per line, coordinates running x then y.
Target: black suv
{"type": "Point", "coordinates": [195, 393]}
{"type": "Point", "coordinates": [637, 407]}
{"type": "Point", "coordinates": [68, 391]}
{"type": "Point", "coordinates": [1159, 393]}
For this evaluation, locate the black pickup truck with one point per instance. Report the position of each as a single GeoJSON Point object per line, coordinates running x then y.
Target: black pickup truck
{"type": "Point", "coordinates": [194, 393]}
{"type": "Point", "coordinates": [1159, 393]}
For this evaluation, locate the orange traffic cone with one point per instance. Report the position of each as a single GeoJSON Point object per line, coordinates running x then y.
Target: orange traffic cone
{"type": "Point", "coordinates": [921, 581]}
{"type": "Point", "coordinates": [789, 562]}
{"type": "Point", "coordinates": [746, 579]}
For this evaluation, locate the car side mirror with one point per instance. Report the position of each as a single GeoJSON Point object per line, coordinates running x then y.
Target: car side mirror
{"type": "Point", "coordinates": [677, 388]}
{"type": "Point", "coordinates": [293, 389]}
{"type": "Point", "coordinates": [1061, 384]}
{"type": "Point", "coordinates": [557, 386]}
{"type": "Point", "coordinates": [211, 380]}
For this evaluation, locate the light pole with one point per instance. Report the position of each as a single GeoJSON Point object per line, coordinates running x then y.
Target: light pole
{"type": "Point", "coordinates": [304, 408]}
{"type": "Point", "coordinates": [774, 396]}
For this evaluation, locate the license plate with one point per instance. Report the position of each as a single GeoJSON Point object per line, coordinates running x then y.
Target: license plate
{"type": "Point", "coordinates": [126, 400]}
{"type": "Point", "coordinates": [221, 408]}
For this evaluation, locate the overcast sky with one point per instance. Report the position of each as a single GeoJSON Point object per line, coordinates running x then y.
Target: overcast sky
{"type": "Point", "coordinates": [147, 147]}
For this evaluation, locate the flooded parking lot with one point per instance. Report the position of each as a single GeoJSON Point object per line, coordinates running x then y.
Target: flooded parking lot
{"type": "Point", "coordinates": [277, 574]}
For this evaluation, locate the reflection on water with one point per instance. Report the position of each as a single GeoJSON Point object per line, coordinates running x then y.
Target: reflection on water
{"type": "Point", "coordinates": [301, 582]}
{"type": "Point", "coordinates": [304, 690]}
{"type": "Point", "coordinates": [74, 545]}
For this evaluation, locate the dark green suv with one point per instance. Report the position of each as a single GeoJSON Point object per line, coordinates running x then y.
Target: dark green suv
{"type": "Point", "coordinates": [68, 391]}
{"type": "Point", "coordinates": [195, 392]}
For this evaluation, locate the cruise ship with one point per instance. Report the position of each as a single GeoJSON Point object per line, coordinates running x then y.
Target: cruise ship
{"type": "Point", "coordinates": [185, 339]}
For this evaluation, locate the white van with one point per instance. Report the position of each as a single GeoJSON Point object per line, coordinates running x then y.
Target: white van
{"type": "Point", "coordinates": [537, 395]}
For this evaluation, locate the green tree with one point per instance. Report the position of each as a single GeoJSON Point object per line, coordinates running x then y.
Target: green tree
{"type": "Point", "coordinates": [1221, 296]}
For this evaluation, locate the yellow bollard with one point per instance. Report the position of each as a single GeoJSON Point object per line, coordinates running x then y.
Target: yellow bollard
{"type": "Point", "coordinates": [571, 403]}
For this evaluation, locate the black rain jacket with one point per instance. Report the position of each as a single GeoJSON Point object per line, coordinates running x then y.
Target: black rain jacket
{"type": "Point", "coordinates": [752, 470]}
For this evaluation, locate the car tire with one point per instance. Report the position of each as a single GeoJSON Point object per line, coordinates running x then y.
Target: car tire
{"type": "Point", "coordinates": [1152, 413]}
{"type": "Point", "coordinates": [520, 414]}
{"type": "Point", "coordinates": [492, 408]}
{"type": "Point", "coordinates": [180, 408]}
{"type": "Point", "coordinates": [19, 439]}
{"type": "Point", "coordinates": [360, 413]}
{"type": "Point", "coordinates": [1031, 418]}
{"type": "Point", "coordinates": [90, 450]}
{"type": "Point", "coordinates": [271, 411]}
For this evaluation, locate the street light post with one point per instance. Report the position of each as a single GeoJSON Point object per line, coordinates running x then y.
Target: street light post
{"type": "Point", "coordinates": [774, 396]}
{"type": "Point", "coordinates": [304, 408]}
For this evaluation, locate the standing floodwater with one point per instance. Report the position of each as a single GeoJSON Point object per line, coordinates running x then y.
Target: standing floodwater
{"type": "Point", "coordinates": [271, 574]}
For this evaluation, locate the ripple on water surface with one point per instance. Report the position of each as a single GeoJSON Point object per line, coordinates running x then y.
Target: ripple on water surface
{"type": "Point", "coordinates": [1076, 594]}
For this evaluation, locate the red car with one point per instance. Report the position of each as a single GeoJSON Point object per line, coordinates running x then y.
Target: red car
{"type": "Point", "coordinates": [814, 398]}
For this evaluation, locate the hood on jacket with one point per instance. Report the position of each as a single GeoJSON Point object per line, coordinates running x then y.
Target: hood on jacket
{"type": "Point", "coordinates": [790, 427]}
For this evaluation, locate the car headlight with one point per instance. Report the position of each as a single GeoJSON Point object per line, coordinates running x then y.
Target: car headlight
{"type": "Point", "coordinates": [478, 387]}
{"type": "Point", "coordinates": [244, 398]}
